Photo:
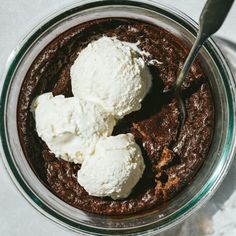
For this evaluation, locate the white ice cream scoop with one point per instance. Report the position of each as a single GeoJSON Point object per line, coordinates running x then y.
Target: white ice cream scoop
{"type": "Point", "coordinates": [111, 73]}
{"type": "Point", "coordinates": [114, 169]}
{"type": "Point", "coordinates": [69, 126]}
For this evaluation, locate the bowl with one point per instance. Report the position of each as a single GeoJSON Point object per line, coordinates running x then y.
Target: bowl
{"type": "Point", "coordinates": [208, 178]}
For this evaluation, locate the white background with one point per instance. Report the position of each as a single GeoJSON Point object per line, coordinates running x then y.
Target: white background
{"type": "Point", "coordinates": [17, 217]}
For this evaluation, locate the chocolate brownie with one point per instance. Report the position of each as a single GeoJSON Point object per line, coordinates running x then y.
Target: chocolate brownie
{"type": "Point", "coordinates": [172, 160]}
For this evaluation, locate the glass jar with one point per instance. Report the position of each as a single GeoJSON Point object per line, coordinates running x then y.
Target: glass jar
{"type": "Point", "coordinates": [207, 180]}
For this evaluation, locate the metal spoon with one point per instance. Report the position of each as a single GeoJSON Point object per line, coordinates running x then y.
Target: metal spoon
{"type": "Point", "coordinates": [211, 19]}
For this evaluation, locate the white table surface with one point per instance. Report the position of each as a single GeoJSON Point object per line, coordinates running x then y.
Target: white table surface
{"type": "Point", "coordinates": [17, 217]}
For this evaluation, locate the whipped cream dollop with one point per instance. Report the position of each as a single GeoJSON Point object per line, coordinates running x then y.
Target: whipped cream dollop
{"type": "Point", "coordinates": [70, 127]}
{"type": "Point", "coordinates": [114, 168]}
{"type": "Point", "coordinates": [113, 74]}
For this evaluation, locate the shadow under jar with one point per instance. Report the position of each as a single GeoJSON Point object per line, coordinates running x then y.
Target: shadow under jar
{"type": "Point", "coordinates": [42, 65]}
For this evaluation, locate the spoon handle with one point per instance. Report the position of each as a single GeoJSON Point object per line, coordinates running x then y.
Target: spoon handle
{"type": "Point", "coordinates": [188, 62]}
{"type": "Point", "coordinates": [211, 19]}
{"type": "Point", "coordinates": [213, 16]}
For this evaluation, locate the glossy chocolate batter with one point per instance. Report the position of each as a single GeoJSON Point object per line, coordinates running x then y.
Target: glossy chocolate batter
{"type": "Point", "coordinates": [171, 161]}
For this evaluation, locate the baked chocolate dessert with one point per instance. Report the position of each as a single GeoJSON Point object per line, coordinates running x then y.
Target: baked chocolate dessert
{"type": "Point", "coordinates": [172, 155]}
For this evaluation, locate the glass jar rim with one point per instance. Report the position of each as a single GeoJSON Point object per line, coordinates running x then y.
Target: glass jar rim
{"type": "Point", "coordinates": [187, 23]}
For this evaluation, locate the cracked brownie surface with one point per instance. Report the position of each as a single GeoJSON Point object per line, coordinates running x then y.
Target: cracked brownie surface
{"type": "Point", "coordinates": [171, 160]}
